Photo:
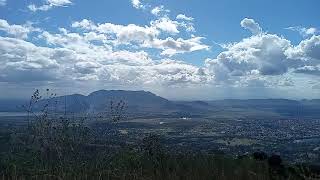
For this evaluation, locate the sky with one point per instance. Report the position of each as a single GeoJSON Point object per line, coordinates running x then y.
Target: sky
{"type": "Point", "coordinates": [181, 50]}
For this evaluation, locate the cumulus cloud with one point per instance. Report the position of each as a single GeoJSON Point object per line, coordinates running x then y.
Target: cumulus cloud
{"type": "Point", "coordinates": [147, 36]}
{"type": "Point", "coordinates": [84, 24]}
{"type": "Point", "coordinates": [258, 55]}
{"type": "Point", "coordinates": [261, 58]}
{"type": "Point", "coordinates": [251, 25]}
{"type": "Point", "coordinates": [134, 33]}
{"type": "Point", "coordinates": [167, 25]}
{"type": "Point", "coordinates": [19, 31]}
{"type": "Point", "coordinates": [23, 61]}
{"type": "Point", "coordinates": [82, 46]}
{"type": "Point", "coordinates": [308, 49]}
{"type": "Point", "coordinates": [143, 55]}
{"type": "Point", "coordinates": [49, 5]}
{"type": "Point", "coordinates": [73, 56]}
{"type": "Point", "coordinates": [124, 34]}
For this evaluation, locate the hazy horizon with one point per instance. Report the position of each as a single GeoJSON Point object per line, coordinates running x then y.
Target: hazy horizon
{"type": "Point", "coordinates": [173, 97]}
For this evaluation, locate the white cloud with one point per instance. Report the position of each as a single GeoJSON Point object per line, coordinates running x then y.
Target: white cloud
{"type": "Point", "coordinates": [163, 21]}
{"type": "Point", "coordinates": [19, 31]}
{"type": "Point", "coordinates": [23, 61]}
{"type": "Point", "coordinates": [186, 22]}
{"type": "Point", "coordinates": [156, 11]}
{"type": "Point", "coordinates": [258, 55]}
{"type": "Point", "coordinates": [137, 4]}
{"type": "Point", "coordinates": [167, 25]}
{"type": "Point", "coordinates": [251, 25]}
{"type": "Point", "coordinates": [184, 17]}
{"type": "Point", "coordinates": [310, 31]}
{"type": "Point", "coordinates": [260, 59]}
{"type": "Point", "coordinates": [308, 50]}
{"type": "Point", "coordinates": [82, 46]}
{"type": "Point", "coordinates": [124, 55]}
{"type": "Point", "coordinates": [170, 72]}
{"type": "Point", "coordinates": [92, 36]}
{"type": "Point", "coordinates": [171, 46]}
{"type": "Point", "coordinates": [188, 26]}
{"type": "Point", "coordinates": [34, 8]}
{"type": "Point", "coordinates": [134, 33]}
{"type": "Point", "coordinates": [84, 24]}
{"type": "Point", "coordinates": [59, 2]}
{"type": "Point", "coordinates": [3, 2]}
{"type": "Point", "coordinates": [147, 36]}
{"type": "Point", "coordinates": [159, 10]}
{"type": "Point", "coordinates": [49, 5]}
{"type": "Point", "coordinates": [123, 34]}
{"type": "Point", "coordinates": [305, 32]}
{"type": "Point", "coordinates": [74, 57]}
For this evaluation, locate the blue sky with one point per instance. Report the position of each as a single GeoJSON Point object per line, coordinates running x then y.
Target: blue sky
{"type": "Point", "coordinates": [178, 49]}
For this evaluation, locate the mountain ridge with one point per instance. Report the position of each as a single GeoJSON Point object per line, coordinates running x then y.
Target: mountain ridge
{"type": "Point", "coordinates": [145, 102]}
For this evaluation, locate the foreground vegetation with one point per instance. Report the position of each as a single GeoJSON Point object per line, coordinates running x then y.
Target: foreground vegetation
{"type": "Point", "coordinates": [70, 158]}
{"type": "Point", "coordinates": [57, 146]}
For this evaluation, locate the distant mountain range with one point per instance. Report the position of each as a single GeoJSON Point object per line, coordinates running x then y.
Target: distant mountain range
{"type": "Point", "coordinates": [138, 102]}
{"type": "Point", "coordinates": [147, 103]}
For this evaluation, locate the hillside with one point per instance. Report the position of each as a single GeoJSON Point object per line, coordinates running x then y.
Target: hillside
{"type": "Point", "coordinates": [136, 102]}
{"type": "Point", "coordinates": [146, 104]}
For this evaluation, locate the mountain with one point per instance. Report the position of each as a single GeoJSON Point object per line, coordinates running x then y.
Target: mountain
{"type": "Point", "coordinates": [136, 102]}
{"type": "Point", "coordinates": [143, 103]}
